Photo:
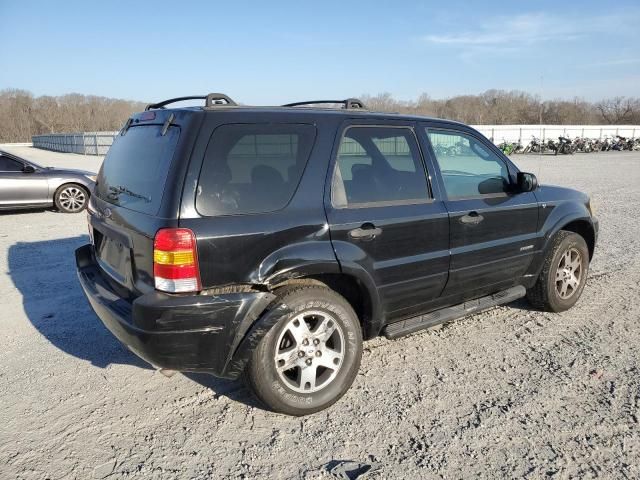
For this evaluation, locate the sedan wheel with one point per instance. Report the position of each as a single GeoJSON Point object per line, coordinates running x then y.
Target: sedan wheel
{"type": "Point", "coordinates": [71, 199]}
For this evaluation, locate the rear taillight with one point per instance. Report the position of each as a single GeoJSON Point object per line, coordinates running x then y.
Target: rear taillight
{"type": "Point", "coordinates": [175, 261]}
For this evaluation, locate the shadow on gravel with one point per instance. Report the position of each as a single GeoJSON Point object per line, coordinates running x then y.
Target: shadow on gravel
{"type": "Point", "coordinates": [44, 273]}
{"type": "Point", "coordinates": [233, 389]}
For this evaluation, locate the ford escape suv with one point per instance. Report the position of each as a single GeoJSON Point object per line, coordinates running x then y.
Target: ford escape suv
{"type": "Point", "coordinates": [270, 242]}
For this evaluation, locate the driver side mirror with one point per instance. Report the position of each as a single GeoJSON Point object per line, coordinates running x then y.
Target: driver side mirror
{"type": "Point", "coordinates": [527, 182]}
{"type": "Point", "coordinates": [28, 169]}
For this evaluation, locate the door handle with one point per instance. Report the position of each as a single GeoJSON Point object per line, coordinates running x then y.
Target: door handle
{"type": "Point", "coordinates": [367, 231]}
{"type": "Point", "coordinates": [471, 218]}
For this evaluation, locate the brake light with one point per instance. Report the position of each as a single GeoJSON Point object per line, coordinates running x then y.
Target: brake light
{"type": "Point", "coordinates": [175, 261]}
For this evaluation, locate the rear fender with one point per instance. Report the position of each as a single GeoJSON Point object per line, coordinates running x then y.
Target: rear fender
{"type": "Point", "coordinates": [297, 261]}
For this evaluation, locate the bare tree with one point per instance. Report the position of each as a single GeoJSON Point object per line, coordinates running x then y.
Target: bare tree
{"type": "Point", "coordinates": [618, 110]}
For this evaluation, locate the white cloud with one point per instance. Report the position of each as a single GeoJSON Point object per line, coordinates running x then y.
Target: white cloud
{"type": "Point", "coordinates": [530, 29]}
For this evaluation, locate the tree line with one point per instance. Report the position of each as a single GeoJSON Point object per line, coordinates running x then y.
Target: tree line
{"type": "Point", "coordinates": [499, 107]}
{"type": "Point", "coordinates": [24, 114]}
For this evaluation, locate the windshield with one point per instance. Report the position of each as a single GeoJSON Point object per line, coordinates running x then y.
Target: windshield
{"type": "Point", "coordinates": [135, 170]}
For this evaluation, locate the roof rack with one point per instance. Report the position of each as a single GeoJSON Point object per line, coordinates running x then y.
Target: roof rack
{"type": "Point", "coordinates": [211, 100]}
{"type": "Point", "coordinates": [348, 103]}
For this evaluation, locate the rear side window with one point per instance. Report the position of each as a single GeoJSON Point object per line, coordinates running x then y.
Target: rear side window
{"type": "Point", "coordinates": [134, 172]}
{"type": "Point", "coordinates": [378, 165]}
{"type": "Point", "coordinates": [252, 168]}
{"type": "Point", "coordinates": [9, 165]}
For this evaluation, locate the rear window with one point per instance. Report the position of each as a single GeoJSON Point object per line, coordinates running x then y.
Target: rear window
{"type": "Point", "coordinates": [135, 170]}
{"type": "Point", "coordinates": [252, 168]}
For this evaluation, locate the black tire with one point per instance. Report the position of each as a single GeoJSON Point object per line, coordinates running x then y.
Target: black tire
{"type": "Point", "coordinates": [284, 392]}
{"type": "Point", "coordinates": [545, 294]}
{"type": "Point", "coordinates": [71, 198]}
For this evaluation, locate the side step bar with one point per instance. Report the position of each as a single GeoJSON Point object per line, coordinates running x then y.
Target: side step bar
{"type": "Point", "coordinates": [411, 325]}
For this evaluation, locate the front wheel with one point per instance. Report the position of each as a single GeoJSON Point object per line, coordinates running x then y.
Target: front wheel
{"type": "Point", "coordinates": [71, 198]}
{"type": "Point", "coordinates": [563, 275]}
{"type": "Point", "coordinates": [310, 358]}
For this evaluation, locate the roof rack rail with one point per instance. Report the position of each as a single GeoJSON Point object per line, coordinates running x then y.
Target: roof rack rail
{"type": "Point", "coordinates": [211, 100]}
{"type": "Point", "coordinates": [348, 103]}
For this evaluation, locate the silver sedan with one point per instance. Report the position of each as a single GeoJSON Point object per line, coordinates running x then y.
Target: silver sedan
{"type": "Point", "coordinates": [24, 184]}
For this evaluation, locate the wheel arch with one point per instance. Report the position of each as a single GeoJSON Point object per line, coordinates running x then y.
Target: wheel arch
{"type": "Point", "coordinates": [353, 290]}
{"type": "Point", "coordinates": [585, 229]}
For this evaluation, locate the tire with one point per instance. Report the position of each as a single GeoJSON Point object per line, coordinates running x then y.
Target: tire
{"type": "Point", "coordinates": [555, 290]}
{"type": "Point", "coordinates": [71, 198]}
{"type": "Point", "coordinates": [286, 390]}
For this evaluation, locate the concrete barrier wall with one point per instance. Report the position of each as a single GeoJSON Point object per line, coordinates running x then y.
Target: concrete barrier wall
{"type": "Point", "coordinates": [523, 133]}
{"type": "Point", "coordinates": [86, 143]}
{"type": "Point", "coordinates": [98, 143]}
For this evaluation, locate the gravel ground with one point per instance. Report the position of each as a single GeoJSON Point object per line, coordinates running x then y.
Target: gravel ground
{"type": "Point", "coordinates": [507, 393]}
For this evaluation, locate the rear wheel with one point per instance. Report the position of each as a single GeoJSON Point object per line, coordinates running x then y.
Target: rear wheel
{"type": "Point", "coordinates": [310, 358]}
{"type": "Point", "coordinates": [71, 198]}
{"type": "Point", "coordinates": [563, 275]}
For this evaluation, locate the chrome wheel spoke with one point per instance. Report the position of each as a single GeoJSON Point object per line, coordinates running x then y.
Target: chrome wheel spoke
{"type": "Point", "coordinates": [287, 360]}
{"type": "Point", "coordinates": [299, 331]}
{"type": "Point", "coordinates": [325, 329]}
{"type": "Point", "coordinates": [330, 359]}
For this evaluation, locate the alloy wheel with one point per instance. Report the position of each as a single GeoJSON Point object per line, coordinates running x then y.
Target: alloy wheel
{"type": "Point", "coordinates": [569, 273]}
{"type": "Point", "coordinates": [310, 351]}
{"type": "Point", "coordinates": [72, 199]}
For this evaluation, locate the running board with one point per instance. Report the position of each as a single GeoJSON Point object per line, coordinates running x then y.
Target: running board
{"type": "Point", "coordinates": [411, 325]}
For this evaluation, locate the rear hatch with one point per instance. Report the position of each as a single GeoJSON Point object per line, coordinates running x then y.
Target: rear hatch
{"type": "Point", "coordinates": [137, 192]}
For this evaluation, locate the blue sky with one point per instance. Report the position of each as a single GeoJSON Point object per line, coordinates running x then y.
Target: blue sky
{"type": "Point", "coordinates": [272, 52]}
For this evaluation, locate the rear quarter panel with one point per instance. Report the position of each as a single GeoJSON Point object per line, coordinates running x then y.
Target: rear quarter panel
{"type": "Point", "coordinates": [264, 248]}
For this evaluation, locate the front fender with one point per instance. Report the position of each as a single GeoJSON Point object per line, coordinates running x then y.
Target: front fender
{"type": "Point", "coordinates": [555, 216]}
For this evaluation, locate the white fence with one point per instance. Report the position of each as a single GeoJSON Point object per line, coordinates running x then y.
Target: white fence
{"type": "Point", "coordinates": [523, 133]}
{"type": "Point", "coordinates": [86, 143]}
{"type": "Point", "coordinates": [98, 143]}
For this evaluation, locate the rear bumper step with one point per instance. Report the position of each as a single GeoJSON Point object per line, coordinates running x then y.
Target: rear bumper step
{"type": "Point", "coordinates": [415, 324]}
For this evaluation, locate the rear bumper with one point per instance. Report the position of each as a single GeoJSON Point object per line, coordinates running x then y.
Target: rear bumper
{"type": "Point", "coordinates": [177, 332]}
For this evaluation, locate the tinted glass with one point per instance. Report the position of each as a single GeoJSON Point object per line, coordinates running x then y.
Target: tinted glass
{"type": "Point", "coordinates": [134, 171]}
{"type": "Point", "coordinates": [378, 164]}
{"type": "Point", "coordinates": [468, 167]}
{"type": "Point", "coordinates": [9, 165]}
{"type": "Point", "coordinates": [252, 168]}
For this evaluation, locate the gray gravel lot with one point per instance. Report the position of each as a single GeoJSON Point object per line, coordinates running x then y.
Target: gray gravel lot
{"type": "Point", "coordinates": [507, 393]}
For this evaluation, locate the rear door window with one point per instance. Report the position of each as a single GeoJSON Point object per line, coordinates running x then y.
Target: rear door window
{"type": "Point", "coordinates": [378, 166]}
{"type": "Point", "coordinates": [253, 168]}
{"type": "Point", "coordinates": [134, 172]}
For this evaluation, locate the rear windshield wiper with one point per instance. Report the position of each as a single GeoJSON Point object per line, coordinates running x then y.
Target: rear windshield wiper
{"type": "Point", "coordinates": [118, 189]}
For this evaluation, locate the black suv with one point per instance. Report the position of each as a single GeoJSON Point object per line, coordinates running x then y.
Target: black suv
{"type": "Point", "coordinates": [271, 241]}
